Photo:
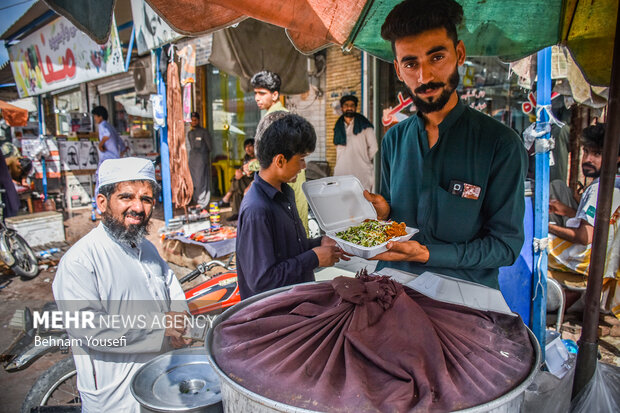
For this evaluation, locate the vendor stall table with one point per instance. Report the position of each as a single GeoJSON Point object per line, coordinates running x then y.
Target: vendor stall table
{"type": "Point", "coordinates": [181, 249]}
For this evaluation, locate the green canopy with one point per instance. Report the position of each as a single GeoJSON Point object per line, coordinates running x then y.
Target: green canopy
{"type": "Point", "coordinates": [512, 29]}
{"type": "Point", "coordinates": [93, 17]}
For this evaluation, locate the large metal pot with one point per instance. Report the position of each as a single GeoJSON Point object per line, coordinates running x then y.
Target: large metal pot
{"type": "Point", "coordinates": [178, 381]}
{"type": "Point", "coordinates": [237, 398]}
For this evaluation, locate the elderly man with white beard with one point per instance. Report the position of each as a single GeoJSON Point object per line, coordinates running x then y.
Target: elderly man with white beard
{"type": "Point", "coordinates": [117, 276]}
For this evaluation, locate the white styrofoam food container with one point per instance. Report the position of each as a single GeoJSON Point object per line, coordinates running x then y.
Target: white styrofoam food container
{"type": "Point", "coordinates": [338, 203]}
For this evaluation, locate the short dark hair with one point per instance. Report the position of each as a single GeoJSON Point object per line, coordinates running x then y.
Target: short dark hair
{"type": "Point", "coordinates": [195, 115]}
{"type": "Point", "coordinates": [594, 137]}
{"type": "Point", "coordinates": [26, 166]}
{"type": "Point", "coordinates": [109, 189]}
{"type": "Point", "coordinates": [412, 17]}
{"type": "Point", "coordinates": [266, 80]}
{"type": "Point", "coordinates": [347, 98]}
{"type": "Point", "coordinates": [248, 141]}
{"type": "Point", "coordinates": [100, 111]}
{"type": "Point", "coordinates": [291, 135]}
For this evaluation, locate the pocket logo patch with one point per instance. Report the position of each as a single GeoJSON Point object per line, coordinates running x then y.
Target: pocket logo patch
{"type": "Point", "coordinates": [464, 190]}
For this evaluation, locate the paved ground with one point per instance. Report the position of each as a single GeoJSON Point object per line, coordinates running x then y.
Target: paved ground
{"type": "Point", "coordinates": [34, 293]}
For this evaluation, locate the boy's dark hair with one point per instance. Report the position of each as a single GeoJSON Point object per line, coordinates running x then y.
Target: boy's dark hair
{"type": "Point", "coordinates": [291, 135]}
{"type": "Point", "coordinates": [109, 189]}
{"type": "Point", "coordinates": [100, 111]}
{"type": "Point", "coordinates": [247, 142]}
{"type": "Point", "coordinates": [266, 80]}
{"type": "Point", "coordinates": [412, 17]}
{"type": "Point", "coordinates": [594, 137]}
{"type": "Point", "coordinates": [347, 98]}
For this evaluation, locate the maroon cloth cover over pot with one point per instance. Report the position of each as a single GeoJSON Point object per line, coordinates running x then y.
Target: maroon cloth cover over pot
{"type": "Point", "coordinates": [371, 345]}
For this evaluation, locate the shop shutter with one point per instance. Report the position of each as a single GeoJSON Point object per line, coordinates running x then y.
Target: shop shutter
{"type": "Point", "coordinates": [116, 83]}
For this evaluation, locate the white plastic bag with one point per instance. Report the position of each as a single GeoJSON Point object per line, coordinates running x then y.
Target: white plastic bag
{"type": "Point", "coordinates": [41, 150]}
{"type": "Point", "coordinates": [530, 134]}
{"type": "Point", "coordinates": [601, 394]}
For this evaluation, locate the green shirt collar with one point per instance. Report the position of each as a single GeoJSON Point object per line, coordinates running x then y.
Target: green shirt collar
{"type": "Point", "coordinates": [276, 107]}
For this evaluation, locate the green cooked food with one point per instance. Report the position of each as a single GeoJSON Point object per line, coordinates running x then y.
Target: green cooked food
{"type": "Point", "coordinates": [367, 234]}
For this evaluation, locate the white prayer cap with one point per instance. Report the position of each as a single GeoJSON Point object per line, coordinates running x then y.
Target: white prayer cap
{"type": "Point", "coordinates": [113, 171]}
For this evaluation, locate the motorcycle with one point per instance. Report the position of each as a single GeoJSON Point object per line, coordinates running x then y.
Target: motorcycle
{"type": "Point", "coordinates": [215, 295]}
{"type": "Point", "coordinates": [59, 380]}
{"type": "Point", "coordinates": [15, 251]}
{"type": "Point", "coordinates": [58, 385]}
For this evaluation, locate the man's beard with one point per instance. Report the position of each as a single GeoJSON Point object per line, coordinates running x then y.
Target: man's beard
{"type": "Point", "coordinates": [590, 170]}
{"type": "Point", "coordinates": [438, 104]}
{"type": "Point", "coordinates": [349, 114]}
{"type": "Point", "coordinates": [131, 234]}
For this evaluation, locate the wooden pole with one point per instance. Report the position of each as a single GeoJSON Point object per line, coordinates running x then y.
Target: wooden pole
{"type": "Point", "coordinates": [588, 343]}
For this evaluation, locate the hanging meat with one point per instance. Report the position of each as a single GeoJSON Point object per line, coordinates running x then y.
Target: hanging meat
{"type": "Point", "coordinates": [180, 178]}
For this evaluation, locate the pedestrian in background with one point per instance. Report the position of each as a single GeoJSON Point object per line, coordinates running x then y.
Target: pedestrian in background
{"type": "Point", "coordinates": [201, 147]}
{"type": "Point", "coordinates": [111, 146]}
{"type": "Point", "coordinates": [356, 144]}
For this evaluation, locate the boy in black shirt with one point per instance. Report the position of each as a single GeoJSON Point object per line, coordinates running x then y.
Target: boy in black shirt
{"type": "Point", "coordinates": [272, 248]}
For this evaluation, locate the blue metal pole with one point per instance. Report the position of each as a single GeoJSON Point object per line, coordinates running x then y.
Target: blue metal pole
{"type": "Point", "coordinates": [130, 48]}
{"type": "Point", "coordinates": [164, 151]}
{"type": "Point", "coordinates": [42, 137]}
{"type": "Point", "coordinates": [541, 206]}
{"type": "Point", "coordinates": [40, 113]}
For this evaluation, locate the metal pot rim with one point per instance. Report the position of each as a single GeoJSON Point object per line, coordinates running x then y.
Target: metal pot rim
{"type": "Point", "coordinates": [501, 400]}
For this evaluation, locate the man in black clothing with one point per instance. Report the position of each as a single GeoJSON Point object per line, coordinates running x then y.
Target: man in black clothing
{"type": "Point", "coordinates": [199, 160]}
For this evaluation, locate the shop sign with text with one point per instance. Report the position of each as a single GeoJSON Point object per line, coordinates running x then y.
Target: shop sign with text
{"type": "Point", "coordinates": [60, 55]}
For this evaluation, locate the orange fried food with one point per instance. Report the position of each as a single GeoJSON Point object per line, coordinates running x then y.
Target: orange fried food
{"type": "Point", "coordinates": [396, 230]}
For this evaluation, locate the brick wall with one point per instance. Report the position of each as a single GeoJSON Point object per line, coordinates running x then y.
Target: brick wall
{"type": "Point", "coordinates": [311, 105]}
{"type": "Point", "coordinates": [344, 76]}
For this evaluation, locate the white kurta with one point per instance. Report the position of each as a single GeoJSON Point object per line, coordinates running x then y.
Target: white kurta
{"type": "Point", "coordinates": [102, 276]}
{"type": "Point", "coordinates": [356, 158]}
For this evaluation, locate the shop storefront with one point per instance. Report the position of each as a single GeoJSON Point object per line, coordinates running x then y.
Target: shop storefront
{"type": "Point", "coordinates": [54, 65]}
{"type": "Point", "coordinates": [68, 74]}
{"type": "Point", "coordinates": [232, 117]}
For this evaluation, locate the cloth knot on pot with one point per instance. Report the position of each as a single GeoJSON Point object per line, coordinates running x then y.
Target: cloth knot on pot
{"type": "Point", "coordinates": [377, 294]}
{"type": "Point", "coordinates": [369, 344]}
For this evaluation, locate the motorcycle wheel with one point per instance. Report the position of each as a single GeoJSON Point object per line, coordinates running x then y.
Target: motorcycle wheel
{"type": "Point", "coordinates": [56, 387]}
{"type": "Point", "coordinates": [26, 264]}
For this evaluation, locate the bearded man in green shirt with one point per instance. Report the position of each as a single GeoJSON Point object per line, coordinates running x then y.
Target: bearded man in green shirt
{"type": "Point", "coordinates": [451, 171]}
